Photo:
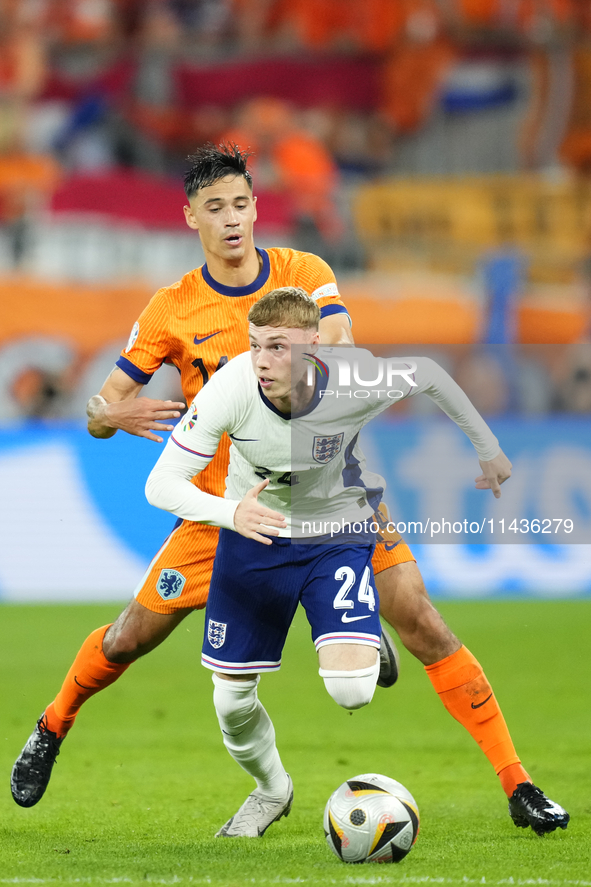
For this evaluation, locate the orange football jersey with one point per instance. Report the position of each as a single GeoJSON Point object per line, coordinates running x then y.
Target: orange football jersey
{"type": "Point", "coordinates": [198, 325]}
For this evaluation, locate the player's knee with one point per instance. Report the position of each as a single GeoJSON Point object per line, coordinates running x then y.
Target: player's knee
{"type": "Point", "coordinates": [352, 689]}
{"type": "Point", "coordinates": [234, 701]}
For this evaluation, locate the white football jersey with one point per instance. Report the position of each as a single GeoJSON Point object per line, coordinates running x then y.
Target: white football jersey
{"type": "Point", "coordinates": [317, 473]}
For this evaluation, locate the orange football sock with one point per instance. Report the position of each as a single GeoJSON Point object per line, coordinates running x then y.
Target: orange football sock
{"type": "Point", "coordinates": [466, 693]}
{"type": "Point", "coordinates": [91, 671]}
{"type": "Point", "coordinates": [511, 776]}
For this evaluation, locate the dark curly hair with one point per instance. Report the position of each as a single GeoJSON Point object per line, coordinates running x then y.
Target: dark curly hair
{"type": "Point", "coordinates": [210, 163]}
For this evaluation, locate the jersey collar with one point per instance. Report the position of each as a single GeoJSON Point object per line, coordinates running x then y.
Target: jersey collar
{"type": "Point", "coordinates": [319, 385]}
{"type": "Point", "coordinates": [248, 290]}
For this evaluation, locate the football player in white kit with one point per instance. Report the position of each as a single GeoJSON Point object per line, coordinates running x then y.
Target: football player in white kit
{"type": "Point", "coordinates": [293, 438]}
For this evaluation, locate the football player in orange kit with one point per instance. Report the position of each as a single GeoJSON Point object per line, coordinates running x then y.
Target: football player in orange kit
{"type": "Point", "coordinates": [198, 324]}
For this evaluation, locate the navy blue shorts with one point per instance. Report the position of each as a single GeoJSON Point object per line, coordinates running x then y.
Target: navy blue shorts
{"type": "Point", "coordinates": [255, 590]}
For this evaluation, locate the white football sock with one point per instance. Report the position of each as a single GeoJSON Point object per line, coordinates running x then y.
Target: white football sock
{"type": "Point", "coordinates": [249, 735]}
{"type": "Point", "coordinates": [352, 689]}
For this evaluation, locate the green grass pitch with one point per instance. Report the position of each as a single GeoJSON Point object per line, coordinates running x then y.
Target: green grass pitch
{"type": "Point", "coordinates": [143, 781]}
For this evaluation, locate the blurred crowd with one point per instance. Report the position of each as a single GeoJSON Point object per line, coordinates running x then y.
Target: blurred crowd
{"type": "Point", "coordinates": [529, 381]}
{"type": "Point", "coordinates": [515, 380]}
{"type": "Point", "coordinates": [89, 85]}
{"type": "Point", "coordinates": [324, 93]}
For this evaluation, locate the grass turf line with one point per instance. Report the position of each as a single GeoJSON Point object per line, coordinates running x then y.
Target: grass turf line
{"type": "Point", "coordinates": [143, 781]}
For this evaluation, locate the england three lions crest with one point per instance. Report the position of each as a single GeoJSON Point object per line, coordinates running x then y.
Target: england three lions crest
{"type": "Point", "coordinates": [216, 633]}
{"type": "Point", "coordinates": [324, 449]}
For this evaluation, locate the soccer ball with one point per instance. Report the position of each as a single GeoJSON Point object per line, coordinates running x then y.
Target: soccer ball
{"type": "Point", "coordinates": [371, 818]}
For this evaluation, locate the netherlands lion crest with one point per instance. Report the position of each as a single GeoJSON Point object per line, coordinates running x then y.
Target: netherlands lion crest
{"type": "Point", "coordinates": [170, 584]}
{"type": "Point", "coordinates": [324, 449]}
{"type": "Point", "coordinates": [216, 633]}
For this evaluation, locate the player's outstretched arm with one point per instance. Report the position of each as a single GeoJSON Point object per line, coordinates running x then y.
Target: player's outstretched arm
{"type": "Point", "coordinates": [117, 406]}
{"type": "Point", "coordinates": [432, 380]}
{"type": "Point", "coordinates": [251, 519]}
{"type": "Point", "coordinates": [494, 473]}
{"type": "Point", "coordinates": [169, 487]}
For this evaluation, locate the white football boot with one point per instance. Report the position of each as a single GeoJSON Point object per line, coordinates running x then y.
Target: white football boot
{"type": "Point", "coordinates": [256, 815]}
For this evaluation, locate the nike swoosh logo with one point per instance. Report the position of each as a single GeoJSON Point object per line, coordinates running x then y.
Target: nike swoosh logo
{"type": "Point", "coordinates": [205, 338]}
{"type": "Point", "coordinates": [76, 681]}
{"type": "Point", "coordinates": [480, 704]}
{"type": "Point", "coordinates": [390, 545]}
{"type": "Point", "coordinates": [245, 439]}
{"type": "Point", "coordinates": [346, 618]}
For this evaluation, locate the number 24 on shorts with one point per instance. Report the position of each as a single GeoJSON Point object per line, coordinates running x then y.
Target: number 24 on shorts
{"type": "Point", "coordinates": [365, 595]}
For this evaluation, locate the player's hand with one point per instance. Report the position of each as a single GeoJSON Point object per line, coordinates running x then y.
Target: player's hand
{"type": "Point", "coordinates": [251, 519]}
{"type": "Point", "coordinates": [140, 416]}
{"type": "Point", "coordinates": [494, 473]}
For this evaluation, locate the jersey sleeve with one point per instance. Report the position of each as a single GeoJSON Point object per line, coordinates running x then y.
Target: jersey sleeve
{"type": "Point", "coordinates": [148, 345]}
{"type": "Point", "coordinates": [169, 487]}
{"type": "Point", "coordinates": [209, 416]}
{"type": "Point", "coordinates": [433, 380]}
{"type": "Point", "coordinates": [190, 449]}
{"type": "Point", "coordinates": [407, 376]}
{"type": "Point", "coordinates": [316, 276]}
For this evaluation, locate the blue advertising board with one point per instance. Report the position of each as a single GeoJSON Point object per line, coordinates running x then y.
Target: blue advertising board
{"type": "Point", "coordinates": [75, 524]}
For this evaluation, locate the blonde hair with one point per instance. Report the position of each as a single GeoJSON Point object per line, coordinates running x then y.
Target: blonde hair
{"type": "Point", "coordinates": [289, 307]}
